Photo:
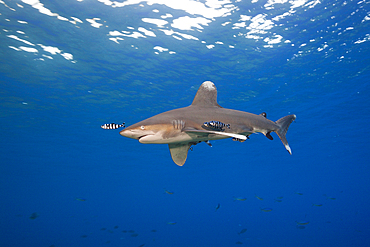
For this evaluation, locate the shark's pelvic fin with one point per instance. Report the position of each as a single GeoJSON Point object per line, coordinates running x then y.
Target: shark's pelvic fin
{"type": "Point", "coordinates": [179, 152]}
{"type": "Point", "coordinates": [284, 123]}
{"type": "Point", "coordinates": [206, 95]}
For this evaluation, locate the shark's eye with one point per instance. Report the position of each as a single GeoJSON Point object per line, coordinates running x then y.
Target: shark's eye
{"type": "Point", "coordinates": [142, 127]}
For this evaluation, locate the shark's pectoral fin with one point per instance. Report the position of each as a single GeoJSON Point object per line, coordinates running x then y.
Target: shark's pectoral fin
{"type": "Point", "coordinates": [237, 136]}
{"type": "Point", "coordinates": [179, 152]}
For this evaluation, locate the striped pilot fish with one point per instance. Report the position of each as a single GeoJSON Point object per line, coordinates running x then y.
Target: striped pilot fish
{"type": "Point", "coordinates": [112, 126]}
{"type": "Point", "coordinates": [216, 125]}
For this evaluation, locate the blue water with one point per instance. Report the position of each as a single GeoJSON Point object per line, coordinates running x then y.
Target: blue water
{"type": "Point", "coordinates": [64, 181]}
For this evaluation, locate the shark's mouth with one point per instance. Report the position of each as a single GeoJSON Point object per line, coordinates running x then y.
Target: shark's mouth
{"type": "Point", "coordinates": [144, 138]}
{"type": "Point", "coordinates": [141, 137]}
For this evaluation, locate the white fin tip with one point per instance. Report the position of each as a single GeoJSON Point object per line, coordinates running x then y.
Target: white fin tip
{"type": "Point", "coordinates": [288, 148]}
{"type": "Point", "coordinates": [208, 85]}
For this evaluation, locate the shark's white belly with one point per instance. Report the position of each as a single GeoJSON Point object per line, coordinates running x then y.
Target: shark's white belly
{"type": "Point", "coordinates": [160, 138]}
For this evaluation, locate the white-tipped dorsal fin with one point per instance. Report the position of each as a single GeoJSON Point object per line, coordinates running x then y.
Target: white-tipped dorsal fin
{"type": "Point", "coordinates": [206, 95]}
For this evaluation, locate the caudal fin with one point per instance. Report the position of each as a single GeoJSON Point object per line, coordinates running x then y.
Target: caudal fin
{"type": "Point", "coordinates": [284, 123]}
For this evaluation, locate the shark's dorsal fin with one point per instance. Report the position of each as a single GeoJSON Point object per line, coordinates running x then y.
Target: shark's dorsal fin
{"type": "Point", "coordinates": [179, 152]}
{"type": "Point", "coordinates": [206, 95]}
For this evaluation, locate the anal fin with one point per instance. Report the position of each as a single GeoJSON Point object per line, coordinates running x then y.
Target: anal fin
{"type": "Point", "coordinates": [179, 152]}
{"type": "Point", "coordinates": [268, 135]}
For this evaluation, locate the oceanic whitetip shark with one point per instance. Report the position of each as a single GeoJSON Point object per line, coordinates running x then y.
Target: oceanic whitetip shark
{"type": "Point", "coordinates": [204, 120]}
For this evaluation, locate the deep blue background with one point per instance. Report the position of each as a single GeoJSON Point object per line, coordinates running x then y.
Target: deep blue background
{"type": "Point", "coordinates": [54, 153]}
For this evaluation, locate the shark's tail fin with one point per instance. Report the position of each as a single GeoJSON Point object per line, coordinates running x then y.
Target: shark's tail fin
{"type": "Point", "coordinates": [284, 123]}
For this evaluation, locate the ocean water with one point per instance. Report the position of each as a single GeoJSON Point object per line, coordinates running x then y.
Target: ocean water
{"type": "Point", "coordinates": [67, 67]}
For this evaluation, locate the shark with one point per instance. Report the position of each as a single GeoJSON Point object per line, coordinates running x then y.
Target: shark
{"type": "Point", "coordinates": [184, 127]}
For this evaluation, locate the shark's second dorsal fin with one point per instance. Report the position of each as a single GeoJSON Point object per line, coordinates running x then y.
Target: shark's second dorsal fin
{"type": "Point", "coordinates": [179, 152]}
{"type": "Point", "coordinates": [206, 95]}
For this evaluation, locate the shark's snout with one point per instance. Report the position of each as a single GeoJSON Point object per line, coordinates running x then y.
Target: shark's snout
{"type": "Point", "coordinates": [135, 133]}
{"type": "Point", "coordinates": [130, 134]}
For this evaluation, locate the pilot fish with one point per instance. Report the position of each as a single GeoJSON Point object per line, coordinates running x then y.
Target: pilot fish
{"type": "Point", "coordinates": [216, 125]}
{"type": "Point", "coordinates": [112, 126]}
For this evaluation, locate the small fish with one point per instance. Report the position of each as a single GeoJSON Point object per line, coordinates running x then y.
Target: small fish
{"type": "Point", "coordinates": [239, 242]}
{"type": "Point", "coordinates": [278, 200]}
{"type": "Point", "coordinates": [317, 205]}
{"type": "Point", "coordinates": [302, 223]}
{"type": "Point", "coordinates": [171, 223]}
{"type": "Point", "coordinates": [168, 192]}
{"type": "Point", "coordinates": [329, 197]}
{"type": "Point", "coordinates": [112, 126]}
{"type": "Point", "coordinates": [216, 125]}
{"type": "Point", "coordinates": [34, 216]}
{"type": "Point", "coordinates": [242, 231]}
{"type": "Point", "coordinates": [266, 209]}
{"type": "Point", "coordinates": [239, 140]}
{"type": "Point", "coordinates": [240, 198]}
{"type": "Point", "coordinates": [259, 198]}
{"type": "Point", "coordinates": [80, 199]}
{"type": "Point", "coordinates": [208, 143]}
{"type": "Point", "coordinates": [298, 193]}
{"type": "Point", "coordinates": [218, 206]}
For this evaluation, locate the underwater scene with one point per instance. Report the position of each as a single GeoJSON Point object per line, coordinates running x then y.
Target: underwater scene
{"type": "Point", "coordinates": [184, 123]}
